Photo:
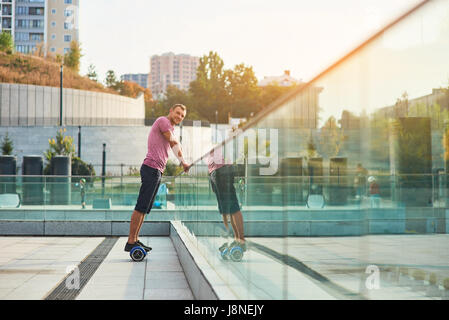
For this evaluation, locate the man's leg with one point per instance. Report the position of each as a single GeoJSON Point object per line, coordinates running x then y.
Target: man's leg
{"type": "Point", "coordinates": [134, 226]}
{"type": "Point", "coordinates": [225, 221]}
{"type": "Point", "coordinates": [153, 197]}
{"type": "Point", "coordinates": [237, 225]}
{"type": "Point", "coordinates": [140, 226]}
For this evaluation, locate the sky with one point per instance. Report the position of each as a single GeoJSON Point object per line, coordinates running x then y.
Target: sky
{"type": "Point", "coordinates": [303, 36]}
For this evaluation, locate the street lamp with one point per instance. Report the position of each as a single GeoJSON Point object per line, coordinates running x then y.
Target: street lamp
{"type": "Point", "coordinates": [79, 142]}
{"type": "Point", "coordinates": [216, 126]}
{"type": "Point", "coordinates": [61, 74]}
{"type": "Point", "coordinates": [103, 169]}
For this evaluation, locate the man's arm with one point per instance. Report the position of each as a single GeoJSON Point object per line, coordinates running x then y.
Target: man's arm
{"type": "Point", "coordinates": [176, 147]}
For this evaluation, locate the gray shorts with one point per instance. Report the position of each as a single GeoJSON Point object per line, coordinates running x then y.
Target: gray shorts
{"type": "Point", "coordinates": [151, 179]}
{"type": "Point", "coordinates": [222, 181]}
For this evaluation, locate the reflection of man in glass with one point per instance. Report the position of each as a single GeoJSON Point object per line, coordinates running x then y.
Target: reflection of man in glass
{"type": "Point", "coordinates": [82, 185]}
{"type": "Point", "coordinates": [374, 192]}
{"type": "Point", "coordinates": [360, 181]}
{"type": "Point", "coordinates": [222, 181]}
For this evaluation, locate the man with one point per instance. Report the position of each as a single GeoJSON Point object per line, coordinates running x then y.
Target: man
{"type": "Point", "coordinates": [221, 175]}
{"type": "Point", "coordinates": [160, 140]}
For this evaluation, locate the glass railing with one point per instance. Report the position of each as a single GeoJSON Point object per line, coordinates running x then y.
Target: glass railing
{"type": "Point", "coordinates": [341, 184]}
{"type": "Point", "coordinates": [75, 197]}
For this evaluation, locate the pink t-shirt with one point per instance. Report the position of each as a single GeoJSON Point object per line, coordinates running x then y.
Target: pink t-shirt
{"type": "Point", "coordinates": [215, 159]}
{"type": "Point", "coordinates": [158, 146]}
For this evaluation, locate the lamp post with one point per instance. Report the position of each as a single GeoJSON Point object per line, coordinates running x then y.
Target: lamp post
{"type": "Point", "coordinates": [61, 75]}
{"type": "Point", "coordinates": [79, 142]}
{"type": "Point", "coordinates": [216, 126]}
{"type": "Point", "coordinates": [103, 169]}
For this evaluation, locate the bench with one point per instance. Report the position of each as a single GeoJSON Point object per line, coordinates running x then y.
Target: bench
{"type": "Point", "coordinates": [9, 200]}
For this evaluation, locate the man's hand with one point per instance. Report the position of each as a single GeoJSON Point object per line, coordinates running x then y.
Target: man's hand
{"type": "Point", "coordinates": [186, 167]}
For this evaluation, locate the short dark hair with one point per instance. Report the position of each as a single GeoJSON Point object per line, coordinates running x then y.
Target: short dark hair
{"type": "Point", "coordinates": [178, 105]}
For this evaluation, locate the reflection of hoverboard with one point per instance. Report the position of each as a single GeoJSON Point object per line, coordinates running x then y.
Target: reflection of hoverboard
{"type": "Point", "coordinates": [233, 251]}
{"type": "Point", "coordinates": [138, 254]}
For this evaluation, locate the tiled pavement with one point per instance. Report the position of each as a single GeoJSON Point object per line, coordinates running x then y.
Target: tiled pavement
{"type": "Point", "coordinates": [31, 267]}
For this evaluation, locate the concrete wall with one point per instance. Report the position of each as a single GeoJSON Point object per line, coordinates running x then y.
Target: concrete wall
{"type": "Point", "coordinates": [270, 223]}
{"type": "Point", "coordinates": [29, 105]}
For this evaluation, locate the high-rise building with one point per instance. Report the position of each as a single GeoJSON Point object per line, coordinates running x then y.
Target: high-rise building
{"type": "Point", "coordinates": [7, 16]}
{"type": "Point", "coordinates": [170, 69]}
{"type": "Point", "coordinates": [49, 24]}
{"type": "Point", "coordinates": [140, 78]}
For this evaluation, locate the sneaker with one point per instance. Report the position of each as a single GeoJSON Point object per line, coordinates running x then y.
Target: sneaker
{"type": "Point", "coordinates": [147, 248]}
{"type": "Point", "coordinates": [223, 247]}
{"type": "Point", "coordinates": [130, 246]}
{"type": "Point", "coordinates": [236, 243]}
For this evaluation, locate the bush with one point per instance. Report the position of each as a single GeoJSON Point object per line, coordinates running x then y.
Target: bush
{"type": "Point", "coordinates": [172, 169]}
{"type": "Point", "coordinates": [7, 146]}
{"type": "Point", "coordinates": [6, 43]}
{"type": "Point", "coordinates": [81, 168]}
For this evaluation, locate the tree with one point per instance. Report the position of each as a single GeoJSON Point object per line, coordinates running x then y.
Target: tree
{"type": "Point", "coordinates": [73, 57]}
{"type": "Point", "coordinates": [332, 138]}
{"type": "Point", "coordinates": [62, 145]}
{"type": "Point", "coordinates": [81, 168]}
{"type": "Point", "coordinates": [91, 73]}
{"type": "Point", "coordinates": [172, 169]}
{"type": "Point", "coordinates": [7, 146]}
{"type": "Point", "coordinates": [6, 42]}
{"type": "Point", "coordinates": [208, 89]}
{"type": "Point", "coordinates": [311, 149]}
{"type": "Point", "coordinates": [270, 93]}
{"type": "Point", "coordinates": [111, 80]}
{"type": "Point", "coordinates": [241, 86]}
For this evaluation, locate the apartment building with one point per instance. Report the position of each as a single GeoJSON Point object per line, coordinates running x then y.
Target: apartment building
{"type": "Point", "coordinates": [7, 16]}
{"type": "Point", "coordinates": [140, 78]}
{"type": "Point", "coordinates": [171, 69]}
{"type": "Point", "coordinates": [62, 25]}
{"type": "Point", "coordinates": [47, 24]}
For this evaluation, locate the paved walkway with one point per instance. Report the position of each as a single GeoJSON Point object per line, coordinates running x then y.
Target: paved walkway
{"type": "Point", "coordinates": [32, 267]}
{"type": "Point", "coordinates": [159, 277]}
{"type": "Point", "coordinates": [409, 267]}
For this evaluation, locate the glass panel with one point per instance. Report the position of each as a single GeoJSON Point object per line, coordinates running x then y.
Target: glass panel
{"type": "Point", "coordinates": [342, 184]}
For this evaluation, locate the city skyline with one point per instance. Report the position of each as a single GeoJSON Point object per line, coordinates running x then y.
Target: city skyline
{"type": "Point", "coordinates": [269, 37]}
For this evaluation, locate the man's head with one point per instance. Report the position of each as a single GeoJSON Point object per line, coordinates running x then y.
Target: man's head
{"type": "Point", "coordinates": [177, 113]}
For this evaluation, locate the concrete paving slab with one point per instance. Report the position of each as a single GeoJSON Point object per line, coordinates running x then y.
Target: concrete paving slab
{"type": "Point", "coordinates": [344, 261]}
{"type": "Point", "coordinates": [159, 276]}
{"type": "Point", "coordinates": [31, 267]}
